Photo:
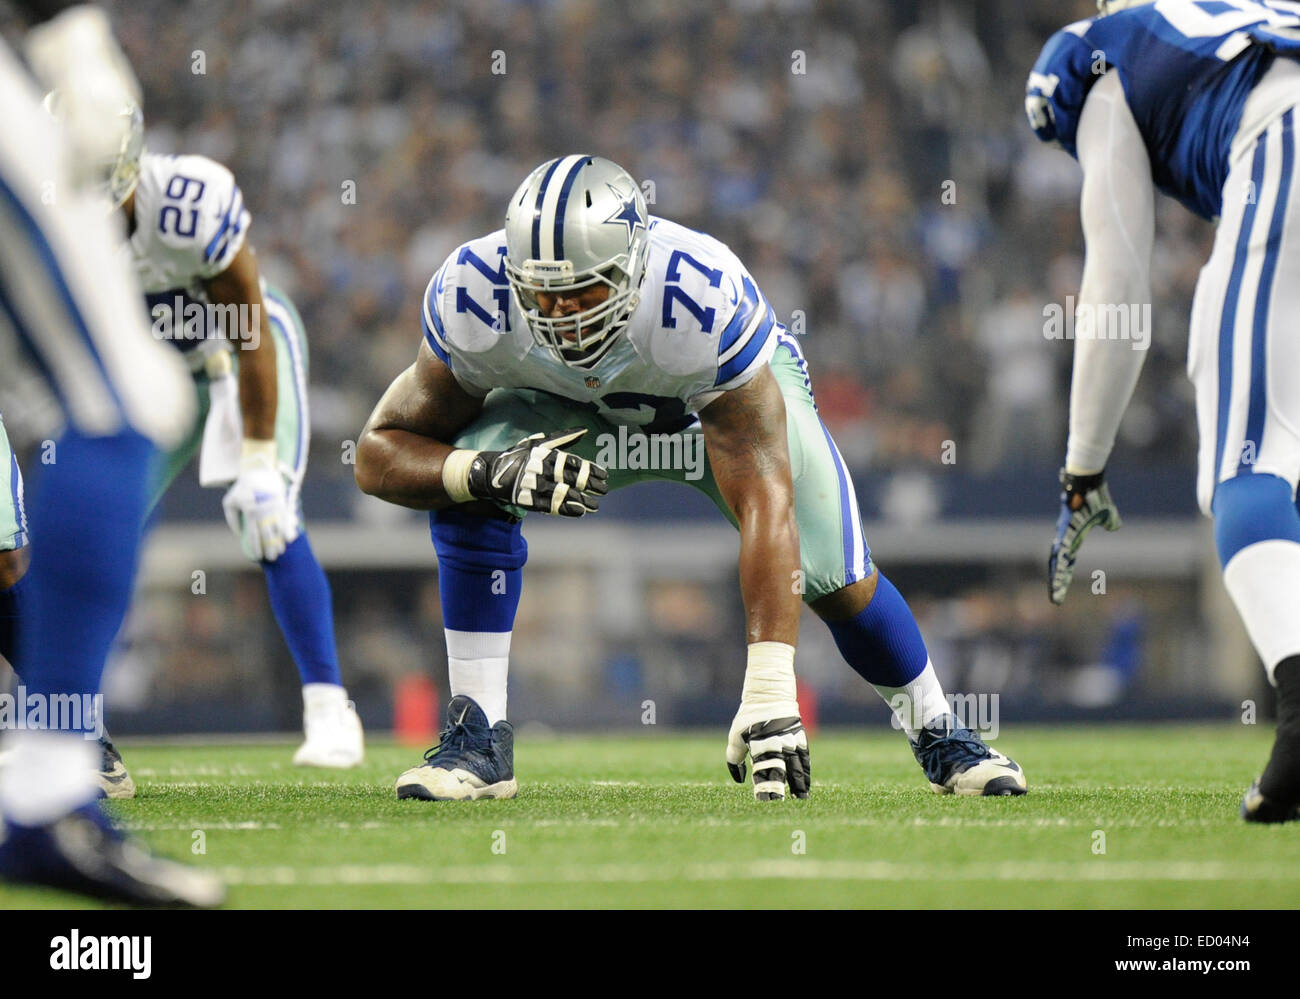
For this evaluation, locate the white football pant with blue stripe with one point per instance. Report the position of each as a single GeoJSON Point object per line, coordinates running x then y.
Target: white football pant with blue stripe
{"type": "Point", "coordinates": [1244, 361]}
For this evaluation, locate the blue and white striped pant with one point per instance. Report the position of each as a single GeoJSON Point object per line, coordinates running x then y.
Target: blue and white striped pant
{"type": "Point", "coordinates": [1244, 349]}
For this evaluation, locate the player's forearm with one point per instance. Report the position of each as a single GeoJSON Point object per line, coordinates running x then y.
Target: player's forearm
{"type": "Point", "coordinates": [1105, 376]}
{"type": "Point", "coordinates": [258, 392]}
{"type": "Point", "coordinates": [769, 567]}
{"type": "Point", "coordinates": [403, 468]}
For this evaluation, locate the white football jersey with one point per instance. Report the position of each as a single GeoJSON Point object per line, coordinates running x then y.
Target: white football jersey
{"type": "Point", "coordinates": [190, 223]}
{"type": "Point", "coordinates": [702, 327]}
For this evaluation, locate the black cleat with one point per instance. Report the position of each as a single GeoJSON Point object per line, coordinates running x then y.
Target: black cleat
{"type": "Point", "coordinates": [1257, 808]}
{"type": "Point", "coordinates": [1275, 797]}
{"type": "Point", "coordinates": [82, 852]}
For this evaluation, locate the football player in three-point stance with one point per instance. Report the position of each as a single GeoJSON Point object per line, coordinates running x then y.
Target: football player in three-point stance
{"type": "Point", "coordinates": [583, 316]}
{"type": "Point", "coordinates": [1198, 100]}
{"type": "Point", "coordinates": [71, 305]}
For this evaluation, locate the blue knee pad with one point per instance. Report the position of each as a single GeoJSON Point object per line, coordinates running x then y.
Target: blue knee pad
{"type": "Point", "coordinates": [1253, 508]}
{"type": "Point", "coordinates": [480, 569]}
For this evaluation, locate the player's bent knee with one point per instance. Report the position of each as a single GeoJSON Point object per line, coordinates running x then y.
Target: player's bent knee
{"type": "Point", "coordinates": [13, 566]}
{"type": "Point", "coordinates": [1252, 508]}
{"type": "Point", "coordinates": [478, 540]}
{"type": "Point", "coordinates": [848, 601]}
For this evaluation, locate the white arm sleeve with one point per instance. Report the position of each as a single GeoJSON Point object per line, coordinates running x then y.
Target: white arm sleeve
{"type": "Point", "coordinates": [1118, 214]}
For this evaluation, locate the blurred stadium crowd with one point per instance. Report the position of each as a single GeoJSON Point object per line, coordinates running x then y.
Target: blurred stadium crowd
{"type": "Point", "coordinates": [868, 159]}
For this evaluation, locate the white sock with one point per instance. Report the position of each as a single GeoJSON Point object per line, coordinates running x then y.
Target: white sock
{"type": "Point", "coordinates": [322, 696]}
{"type": "Point", "coordinates": [917, 703]}
{"type": "Point", "coordinates": [477, 664]}
{"type": "Point", "coordinates": [48, 775]}
{"type": "Point", "coordinates": [1263, 580]}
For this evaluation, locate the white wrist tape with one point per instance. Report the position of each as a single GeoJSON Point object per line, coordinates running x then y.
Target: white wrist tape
{"type": "Point", "coordinates": [258, 452]}
{"type": "Point", "coordinates": [455, 474]}
{"type": "Point", "coordinates": [769, 673]}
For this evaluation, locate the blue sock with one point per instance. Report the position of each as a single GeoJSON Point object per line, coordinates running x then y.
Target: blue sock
{"type": "Point", "coordinates": [304, 608]}
{"type": "Point", "coordinates": [13, 605]}
{"type": "Point", "coordinates": [480, 570]}
{"type": "Point", "coordinates": [882, 643]}
{"type": "Point", "coordinates": [87, 515]}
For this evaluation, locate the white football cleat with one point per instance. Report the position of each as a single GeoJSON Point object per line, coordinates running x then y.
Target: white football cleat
{"type": "Point", "coordinates": [334, 737]}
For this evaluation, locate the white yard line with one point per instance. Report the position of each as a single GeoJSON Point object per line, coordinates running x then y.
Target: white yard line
{"type": "Point", "coordinates": [812, 822]}
{"type": "Point", "coordinates": [796, 869]}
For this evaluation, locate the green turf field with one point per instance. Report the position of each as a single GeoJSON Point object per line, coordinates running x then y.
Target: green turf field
{"type": "Point", "coordinates": [653, 820]}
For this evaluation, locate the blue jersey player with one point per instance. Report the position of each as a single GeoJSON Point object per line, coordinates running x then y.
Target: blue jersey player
{"type": "Point", "coordinates": [1197, 99]}
{"type": "Point", "coordinates": [70, 302]}
{"type": "Point", "coordinates": [585, 320]}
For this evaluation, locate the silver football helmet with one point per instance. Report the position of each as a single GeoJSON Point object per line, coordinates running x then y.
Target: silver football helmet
{"type": "Point", "coordinates": [576, 222]}
{"type": "Point", "coordinates": [118, 174]}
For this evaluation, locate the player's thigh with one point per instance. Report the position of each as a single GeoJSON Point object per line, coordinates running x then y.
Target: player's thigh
{"type": "Point", "coordinates": [1243, 354]}
{"type": "Point", "coordinates": [13, 516]}
{"type": "Point", "coordinates": [832, 546]}
{"type": "Point", "coordinates": [168, 464]}
{"type": "Point", "coordinates": [66, 291]}
{"type": "Point", "coordinates": [510, 415]}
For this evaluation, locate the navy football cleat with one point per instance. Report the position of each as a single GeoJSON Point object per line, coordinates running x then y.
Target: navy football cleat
{"type": "Point", "coordinates": [956, 761]}
{"type": "Point", "coordinates": [82, 852]}
{"type": "Point", "coordinates": [1257, 808]}
{"type": "Point", "coordinates": [470, 761]}
{"type": "Point", "coordinates": [114, 781]}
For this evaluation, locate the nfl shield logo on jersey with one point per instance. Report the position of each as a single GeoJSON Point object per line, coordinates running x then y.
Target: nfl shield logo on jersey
{"type": "Point", "coordinates": [592, 381]}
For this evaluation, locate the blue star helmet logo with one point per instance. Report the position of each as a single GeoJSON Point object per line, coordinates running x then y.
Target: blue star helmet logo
{"type": "Point", "coordinates": [628, 214]}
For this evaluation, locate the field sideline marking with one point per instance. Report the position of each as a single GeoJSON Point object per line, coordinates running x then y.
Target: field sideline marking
{"type": "Point", "coordinates": [797, 870]}
{"type": "Point", "coordinates": [814, 822]}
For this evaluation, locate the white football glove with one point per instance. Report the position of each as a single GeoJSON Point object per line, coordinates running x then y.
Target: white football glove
{"type": "Point", "coordinates": [767, 728]}
{"type": "Point", "coordinates": [76, 54]}
{"type": "Point", "coordinates": [257, 506]}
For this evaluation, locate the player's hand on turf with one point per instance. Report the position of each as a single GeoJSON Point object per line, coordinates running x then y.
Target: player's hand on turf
{"type": "Point", "coordinates": [258, 510]}
{"type": "Point", "coordinates": [537, 474]}
{"type": "Point", "coordinates": [1085, 504]}
{"type": "Point", "coordinates": [774, 739]}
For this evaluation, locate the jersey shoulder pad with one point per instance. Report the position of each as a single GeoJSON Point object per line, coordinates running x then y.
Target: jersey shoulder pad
{"type": "Point", "coordinates": [1059, 84]}
{"type": "Point", "coordinates": [706, 318]}
{"type": "Point", "coordinates": [193, 211]}
{"type": "Point", "coordinates": [468, 308]}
